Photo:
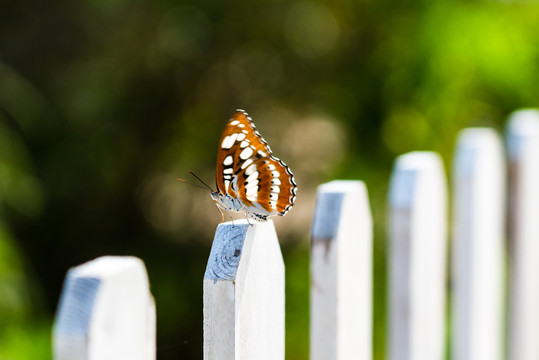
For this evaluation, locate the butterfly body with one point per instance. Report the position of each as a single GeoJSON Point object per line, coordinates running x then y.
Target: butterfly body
{"type": "Point", "coordinates": [249, 178]}
{"type": "Point", "coordinates": [226, 202]}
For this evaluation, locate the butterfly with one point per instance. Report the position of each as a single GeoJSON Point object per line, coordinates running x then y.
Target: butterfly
{"type": "Point", "coordinates": [249, 178]}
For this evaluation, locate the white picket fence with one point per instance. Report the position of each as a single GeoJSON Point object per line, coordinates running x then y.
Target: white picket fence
{"type": "Point", "coordinates": [106, 310]}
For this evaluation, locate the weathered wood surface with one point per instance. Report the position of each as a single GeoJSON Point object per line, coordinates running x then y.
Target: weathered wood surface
{"type": "Point", "coordinates": [244, 294]}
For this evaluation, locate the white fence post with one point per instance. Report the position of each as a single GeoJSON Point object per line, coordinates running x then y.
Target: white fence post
{"type": "Point", "coordinates": [244, 294]}
{"type": "Point", "coordinates": [478, 244]}
{"type": "Point", "coordinates": [341, 273]}
{"type": "Point", "coordinates": [417, 257]}
{"type": "Point", "coordinates": [523, 148]}
{"type": "Point", "coordinates": [106, 312]}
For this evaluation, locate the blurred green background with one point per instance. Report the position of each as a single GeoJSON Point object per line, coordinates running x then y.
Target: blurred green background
{"type": "Point", "coordinates": [104, 103]}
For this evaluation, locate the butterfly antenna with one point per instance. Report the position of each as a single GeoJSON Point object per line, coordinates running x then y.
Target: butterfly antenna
{"type": "Point", "coordinates": [199, 179]}
{"type": "Point", "coordinates": [190, 183]}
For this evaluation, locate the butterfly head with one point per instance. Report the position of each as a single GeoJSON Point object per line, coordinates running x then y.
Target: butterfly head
{"type": "Point", "coordinates": [216, 197]}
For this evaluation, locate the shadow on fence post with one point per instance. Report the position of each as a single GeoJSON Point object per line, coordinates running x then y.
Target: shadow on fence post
{"type": "Point", "coordinates": [523, 149]}
{"type": "Point", "coordinates": [341, 273]}
{"type": "Point", "coordinates": [106, 312]}
{"type": "Point", "coordinates": [417, 257]}
{"type": "Point", "coordinates": [478, 245]}
{"type": "Point", "coordinates": [244, 294]}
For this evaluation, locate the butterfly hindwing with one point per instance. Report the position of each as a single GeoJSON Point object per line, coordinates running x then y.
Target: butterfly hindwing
{"type": "Point", "coordinates": [268, 186]}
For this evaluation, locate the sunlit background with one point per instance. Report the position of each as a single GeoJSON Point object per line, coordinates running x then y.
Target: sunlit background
{"type": "Point", "coordinates": [103, 104]}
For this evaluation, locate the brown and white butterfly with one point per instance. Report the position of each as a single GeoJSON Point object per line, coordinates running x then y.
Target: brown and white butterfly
{"type": "Point", "coordinates": [249, 178]}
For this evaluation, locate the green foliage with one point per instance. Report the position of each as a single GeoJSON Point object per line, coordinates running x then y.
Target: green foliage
{"type": "Point", "coordinates": [297, 302]}
{"type": "Point", "coordinates": [22, 334]}
{"type": "Point", "coordinates": [28, 342]}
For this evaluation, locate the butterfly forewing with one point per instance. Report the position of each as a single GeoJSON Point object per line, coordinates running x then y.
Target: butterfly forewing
{"type": "Point", "coordinates": [239, 145]}
{"type": "Point", "coordinates": [247, 170]}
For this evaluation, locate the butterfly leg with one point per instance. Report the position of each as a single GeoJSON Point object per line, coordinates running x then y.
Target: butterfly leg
{"type": "Point", "coordinates": [231, 218]}
{"type": "Point", "coordinates": [248, 222]}
{"type": "Point", "coordinates": [222, 215]}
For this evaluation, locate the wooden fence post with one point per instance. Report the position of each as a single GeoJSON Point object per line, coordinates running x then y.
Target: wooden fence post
{"type": "Point", "coordinates": [523, 148]}
{"type": "Point", "coordinates": [417, 257]}
{"type": "Point", "coordinates": [478, 244]}
{"type": "Point", "coordinates": [341, 273]}
{"type": "Point", "coordinates": [244, 294]}
{"type": "Point", "coordinates": [106, 312]}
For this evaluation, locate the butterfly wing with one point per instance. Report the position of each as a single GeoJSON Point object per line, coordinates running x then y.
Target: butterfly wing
{"type": "Point", "coordinates": [267, 187]}
{"type": "Point", "coordinates": [247, 170]}
{"type": "Point", "coordinates": [239, 146]}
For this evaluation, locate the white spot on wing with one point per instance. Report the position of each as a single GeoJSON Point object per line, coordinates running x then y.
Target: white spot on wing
{"type": "Point", "coordinates": [276, 181]}
{"type": "Point", "coordinates": [274, 196]}
{"type": "Point", "coordinates": [246, 153]}
{"type": "Point", "coordinates": [271, 167]}
{"type": "Point", "coordinates": [244, 143]}
{"type": "Point", "coordinates": [275, 174]}
{"type": "Point", "coordinates": [225, 142]}
{"type": "Point", "coordinates": [241, 125]}
{"type": "Point", "coordinates": [228, 160]}
{"type": "Point", "coordinates": [228, 171]}
{"type": "Point", "coordinates": [240, 137]}
{"type": "Point", "coordinates": [275, 189]}
{"type": "Point", "coordinates": [246, 163]}
{"type": "Point", "coordinates": [235, 122]}
{"type": "Point", "coordinates": [229, 141]}
{"type": "Point", "coordinates": [250, 169]}
{"type": "Point", "coordinates": [252, 180]}
{"type": "Point", "coordinates": [251, 191]}
{"type": "Point", "coordinates": [262, 153]}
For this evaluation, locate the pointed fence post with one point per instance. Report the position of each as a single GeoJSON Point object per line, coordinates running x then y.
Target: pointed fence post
{"type": "Point", "coordinates": [478, 245]}
{"type": "Point", "coordinates": [417, 257]}
{"type": "Point", "coordinates": [341, 273]}
{"type": "Point", "coordinates": [523, 148]}
{"type": "Point", "coordinates": [106, 312]}
{"type": "Point", "coordinates": [244, 294]}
